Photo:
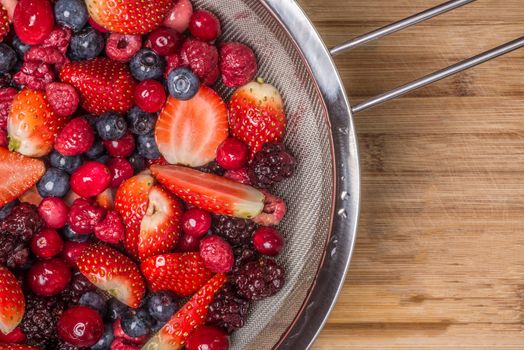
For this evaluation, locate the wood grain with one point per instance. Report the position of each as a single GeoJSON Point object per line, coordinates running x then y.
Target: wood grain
{"type": "Point", "coordinates": [439, 261]}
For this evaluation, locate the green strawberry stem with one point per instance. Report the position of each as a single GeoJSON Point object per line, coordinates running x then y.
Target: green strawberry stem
{"type": "Point", "coordinates": [14, 144]}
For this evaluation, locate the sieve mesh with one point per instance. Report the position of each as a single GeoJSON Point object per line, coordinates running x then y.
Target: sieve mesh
{"type": "Point", "coordinates": [309, 193]}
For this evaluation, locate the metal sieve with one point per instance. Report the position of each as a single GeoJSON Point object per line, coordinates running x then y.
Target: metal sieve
{"type": "Point", "coordinates": [323, 196]}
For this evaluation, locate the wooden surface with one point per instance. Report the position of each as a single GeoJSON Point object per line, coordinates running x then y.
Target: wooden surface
{"type": "Point", "coordinates": [439, 261]}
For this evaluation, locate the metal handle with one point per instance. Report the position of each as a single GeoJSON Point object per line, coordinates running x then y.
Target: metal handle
{"type": "Point", "coordinates": [428, 79]}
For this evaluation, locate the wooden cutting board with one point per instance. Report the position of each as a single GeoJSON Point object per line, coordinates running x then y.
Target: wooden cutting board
{"type": "Point", "coordinates": [439, 261]}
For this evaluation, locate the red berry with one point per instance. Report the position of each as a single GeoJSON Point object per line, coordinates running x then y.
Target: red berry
{"type": "Point", "coordinates": [48, 55]}
{"type": "Point", "coordinates": [84, 216]}
{"type": "Point", "coordinates": [49, 277]}
{"type": "Point", "coordinates": [179, 16]}
{"type": "Point", "coordinates": [75, 138]}
{"type": "Point", "coordinates": [90, 179]}
{"type": "Point", "coordinates": [202, 58]}
{"type": "Point", "coordinates": [238, 64]}
{"type": "Point", "coordinates": [97, 26]}
{"type": "Point", "coordinates": [47, 243]}
{"type": "Point", "coordinates": [121, 170]}
{"type": "Point", "coordinates": [59, 39]}
{"type": "Point", "coordinates": [122, 344]}
{"type": "Point", "coordinates": [33, 20]}
{"type": "Point", "coordinates": [72, 250]}
{"type": "Point", "coordinates": [123, 147]}
{"type": "Point", "coordinates": [53, 211]}
{"type": "Point", "coordinates": [239, 175]}
{"type": "Point", "coordinates": [209, 338]}
{"type": "Point", "coordinates": [122, 47]}
{"type": "Point", "coordinates": [204, 25]}
{"type": "Point", "coordinates": [232, 154]}
{"type": "Point", "coordinates": [35, 75]}
{"type": "Point", "coordinates": [164, 41]}
{"type": "Point", "coordinates": [196, 222]}
{"type": "Point", "coordinates": [188, 243]}
{"type": "Point", "coordinates": [150, 96]}
{"type": "Point", "coordinates": [172, 62]}
{"type": "Point", "coordinates": [62, 98]}
{"type": "Point", "coordinates": [111, 229]}
{"type": "Point", "coordinates": [268, 241]}
{"type": "Point", "coordinates": [80, 326]}
{"type": "Point", "coordinates": [119, 333]}
{"type": "Point", "coordinates": [15, 337]}
{"type": "Point", "coordinates": [217, 254]}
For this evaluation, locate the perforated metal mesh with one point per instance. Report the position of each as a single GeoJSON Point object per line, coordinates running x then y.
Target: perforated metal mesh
{"type": "Point", "coordinates": [309, 193]}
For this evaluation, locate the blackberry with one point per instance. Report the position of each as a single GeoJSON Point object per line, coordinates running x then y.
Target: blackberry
{"type": "Point", "coordinates": [62, 345]}
{"type": "Point", "coordinates": [228, 310]}
{"type": "Point", "coordinates": [212, 168]}
{"type": "Point", "coordinates": [5, 80]}
{"type": "Point", "coordinates": [259, 279]}
{"type": "Point", "coordinates": [39, 322]}
{"type": "Point", "coordinates": [234, 230]}
{"type": "Point", "coordinates": [23, 222]}
{"type": "Point", "coordinates": [272, 164]}
{"type": "Point", "coordinates": [243, 254]}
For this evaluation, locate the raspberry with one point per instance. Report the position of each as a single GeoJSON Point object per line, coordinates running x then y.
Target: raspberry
{"type": "Point", "coordinates": [47, 55]}
{"type": "Point", "coordinates": [123, 147]}
{"type": "Point", "coordinates": [75, 138]}
{"type": "Point", "coordinates": [35, 75]}
{"type": "Point", "coordinates": [172, 62]}
{"type": "Point", "coordinates": [235, 230]}
{"type": "Point", "coordinates": [238, 64]}
{"type": "Point", "coordinates": [59, 39]}
{"type": "Point", "coordinates": [111, 229]}
{"type": "Point", "coordinates": [212, 77]}
{"type": "Point", "coordinates": [6, 98]}
{"type": "Point", "coordinates": [239, 175]}
{"type": "Point", "coordinates": [201, 57]}
{"type": "Point", "coordinates": [228, 310]}
{"type": "Point", "coordinates": [84, 216]}
{"type": "Point", "coordinates": [217, 254]}
{"type": "Point", "coordinates": [62, 98]}
{"type": "Point", "coordinates": [259, 279]}
{"type": "Point", "coordinates": [122, 47]}
{"type": "Point", "coordinates": [272, 164]}
{"type": "Point", "coordinates": [274, 211]}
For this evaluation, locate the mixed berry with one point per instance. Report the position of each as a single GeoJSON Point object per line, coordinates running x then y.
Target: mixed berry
{"type": "Point", "coordinates": [136, 205]}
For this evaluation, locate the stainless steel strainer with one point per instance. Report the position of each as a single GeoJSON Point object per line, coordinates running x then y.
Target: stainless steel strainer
{"type": "Point", "coordinates": [324, 194]}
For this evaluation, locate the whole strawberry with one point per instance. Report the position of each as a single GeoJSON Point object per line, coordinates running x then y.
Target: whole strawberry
{"type": "Point", "coordinates": [76, 137]}
{"type": "Point", "coordinates": [4, 22]}
{"type": "Point", "coordinates": [12, 302]}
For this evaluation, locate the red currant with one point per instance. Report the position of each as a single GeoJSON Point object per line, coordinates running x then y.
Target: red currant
{"type": "Point", "coordinates": [90, 179]}
{"type": "Point", "coordinates": [47, 243]}
{"type": "Point", "coordinates": [204, 25]}
{"type": "Point", "coordinates": [80, 326]}
{"type": "Point", "coordinates": [196, 222]}
{"type": "Point", "coordinates": [209, 338]}
{"type": "Point", "coordinates": [123, 147]}
{"type": "Point", "coordinates": [49, 277]}
{"type": "Point", "coordinates": [164, 41]}
{"type": "Point", "coordinates": [33, 20]}
{"type": "Point", "coordinates": [268, 241]}
{"type": "Point", "coordinates": [122, 47]}
{"type": "Point", "coordinates": [72, 251]}
{"type": "Point", "coordinates": [150, 96]}
{"type": "Point", "coordinates": [232, 154]}
{"type": "Point", "coordinates": [53, 211]}
{"type": "Point", "coordinates": [121, 170]}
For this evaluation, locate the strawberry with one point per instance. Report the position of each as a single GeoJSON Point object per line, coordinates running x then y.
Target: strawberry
{"type": "Point", "coordinates": [106, 199]}
{"type": "Point", "coordinates": [104, 85]}
{"type": "Point", "coordinates": [256, 115]}
{"type": "Point", "coordinates": [4, 22]}
{"type": "Point", "coordinates": [210, 192]}
{"type": "Point", "coordinates": [189, 132]}
{"type": "Point", "coordinates": [17, 347]}
{"type": "Point", "coordinates": [113, 272]}
{"type": "Point", "coordinates": [75, 138]}
{"type": "Point", "coordinates": [32, 125]}
{"type": "Point", "coordinates": [31, 196]}
{"type": "Point", "coordinates": [131, 202]}
{"type": "Point", "coordinates": [160, 227]}
{"type": "Point", "coordinates": [129, 16]}
{"type": "Point", "coordinates": [18, 174]}
{"type": "Point", "coordinates": [181, 273]}
{"type": "Point", "coordinates": [190, 317]}
{"type": "Point", "coordinates": [12, 302]}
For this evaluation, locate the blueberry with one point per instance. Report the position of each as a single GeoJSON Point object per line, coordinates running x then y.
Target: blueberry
{"type": "Point", "coordinates": [104, 343]}
{"type": "Point", "coordinates": [96, 150]}
{"type": "Point", "coordinates": [104, 158]}
{"type": "Point", "coordinates": [136, 322]}
{"type": "Point", "coordinates": [140, 122]}
{"type": "Point", "coordinates": [146, 64]}
{"type": "Point", "coordinates": [162, 306]}
{"type": "Point", "coordinates": [111, 126]}
{"type": "Point", "coordinates": [137, 161]}
{"type": "Point", "coordinates": [115, 309]}
{"type": "Point", "coordinates": [54, 183]}
{"type": "Point", "coordinates": [157, 326]}
{"type": "Point", "coordinates": [91, 119]}
{"type": "Point", "coordinates": [65, 163]}
{"type": "Point", "coordinates": [95, 301]}
{"type": "Point", "coordinates": [147, 146]}
{"type": "Point", "coordinates": [19, 46]}
{"type": "Point", "coordinates": [86, 44]}
{"type": "Point", "coordinates": [71, 235]}
{"type": "Point", "coordinates": [71, 13]}
{"type": "Point", "coordinates": [7, 58]}
{"type": "Point", "coordinates": [6, 209]}
{"type": "Point", "coordinates": [182, 83]}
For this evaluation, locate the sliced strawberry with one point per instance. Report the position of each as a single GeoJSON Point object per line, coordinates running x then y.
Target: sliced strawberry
{"type": "Point", "coordinates": [104, 85]}
{"type": "Point", "coordinates": [256, 115]}
{"type": "Point", "coordinates": [113, 272]}
{"type": "Point", "coordinates": [129, 16]}
{"type": "Point", "coordinates": [131, 202]}
{"type": "Point", "coordinates": [32, 125]}
{"type": "Point", "coordinates": [210, 192]}
{"type": "Point", "coordinates": [18, 174]}
{"type": "Point", "coordinates": [17, 347]}
{"type": "Point", "coordinates": [106, 199]}
{"type": "Point", "coordinates": [4, 22]}
{"type": "Point", "coordinates": [190, 317]}
{"type": "Point", "coordinates": [160, 227]}
{"type": "Point", "coordinates": [189, 132]}
{"type": "Point", "coordinates": [12, 302]}
{"type": "Point", "coordinates": [181, 273]}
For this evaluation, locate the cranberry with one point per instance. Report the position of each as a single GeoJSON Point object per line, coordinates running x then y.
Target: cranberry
{"type": "Point", "coordinates": [119, 333]}
{"type": "Point", "coordinates": [90, 179]}
{"type": "Point", "coordinates": [232, 154]}
{"type": "Point", "coordinates": [33, 20]}
{"type": "Point", "coordinates": [179, 16]}
{"type": "Point", "coordinates": [72, 251]}
{"type": "Point", "coordinates": [268, 241]}
{"type": "Point", "coordinates": [122, 344]}
{"type": "Point", "coordinates": [49, 277]}
{"type": "Point", "coordinates": [204, 25]}
{"type": "Point", "coordinates": [122, 47]}
{"type": "Point", "coordinates": [196, 222]}
{"type": "Point", "coordinates": [47, 243]}
{"type": "Point", "coordinates": [111, 229]}
{"type": "Point", "coordinates": [53, 211]}
{"type": "Point", "coordinates": [84, 215]}
{"type": "Point", "coordinates": [209, 338]}
{"type": "Point", "coordinates": [121, 170]}
{"type": "Point", "coordinates": [80, 326]}
{"type": "Point", "coordinates": [164, 41]}
{"type": "Point", "coordinates": [150, 95]}
{"type": "Point", "coordinates": [188, 243]}
{"type": "Point", "coordinates": [123, 147]}
{"type": "Point", "coordinates": [217, 254]}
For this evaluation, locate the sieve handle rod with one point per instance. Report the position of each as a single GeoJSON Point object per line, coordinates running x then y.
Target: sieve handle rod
{"type": "Point", "coordinates": [397, 26]}
{"type": "Point", "coordinates": [441, 74]}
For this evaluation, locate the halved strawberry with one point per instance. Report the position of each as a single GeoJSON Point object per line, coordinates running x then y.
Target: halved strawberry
{"type": "Point", "coordinates": [129, 16]}
{"type": "Point", "coordinates": [131, 202]}
{"type": "Point", "coordinates": [160, 227]}
{"type": "Point", "coordinates": [189, 132]}
{"type": "Point", "coordinates": [18, 174]}
{"type": "Point", "coordinates": [104, 85]}
{"type": "Point", "coordinates": [256, 115]}
{"type": "Point", "coordinates": [17, 347]}
{"type": "Point", "coordinates": [181, 273]}
{"type": "Point", "coordinates": [113, 272]}
{"type": "Point", "coordinates": [190, 317]}
{"type": "Point", "coordinates": [32, 125]}
{"type": "Point", "coordinates": [210, 192]}
{"type": "Point", "coordinates": [12, 302]}
{"type": "Point", "coordinates": [4, 22]}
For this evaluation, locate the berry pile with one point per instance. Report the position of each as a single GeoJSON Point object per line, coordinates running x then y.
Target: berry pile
{"type": "Point", "coordinates": [135, 207]}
